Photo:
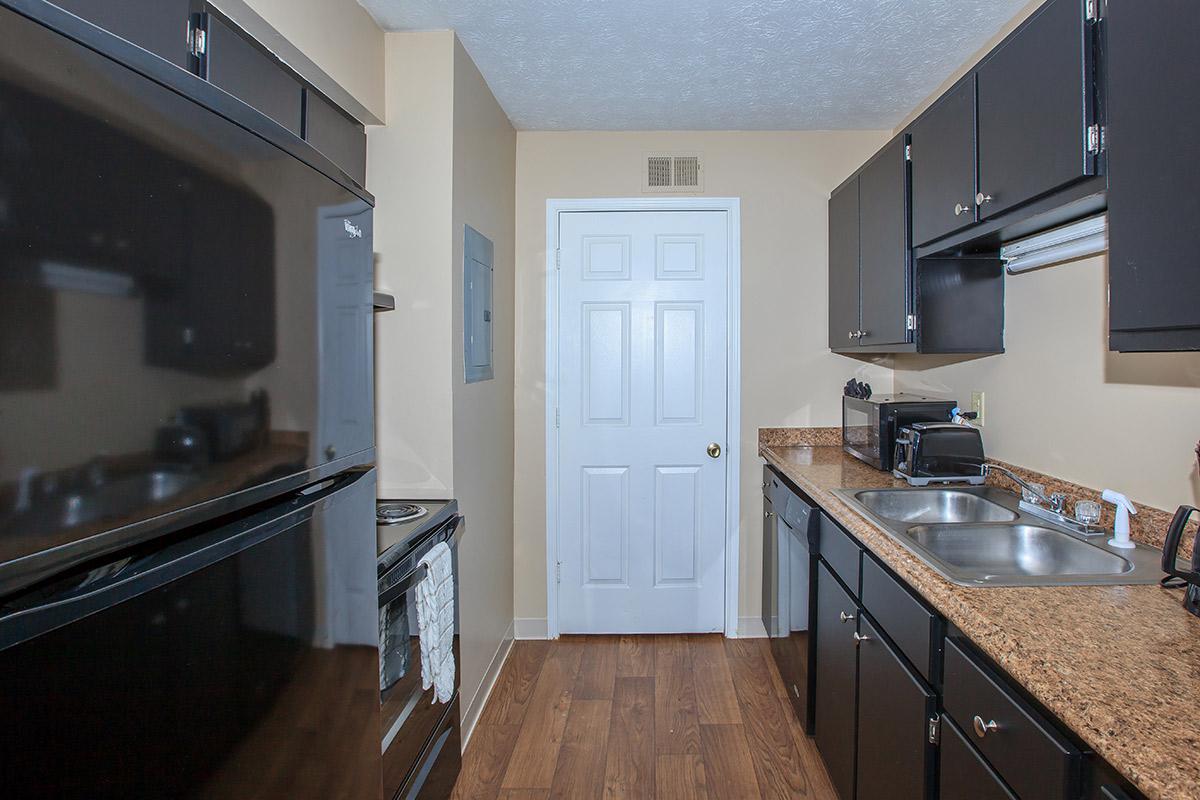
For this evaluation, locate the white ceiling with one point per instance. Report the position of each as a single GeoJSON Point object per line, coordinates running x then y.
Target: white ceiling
{"type": "Point", "coordinates": [709, 64]}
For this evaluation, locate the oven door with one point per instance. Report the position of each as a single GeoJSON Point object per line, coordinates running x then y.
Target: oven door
{"type": "Point", "coordinates": [411, 714]}
{"type": "Point", "coordinates": [238, 662]}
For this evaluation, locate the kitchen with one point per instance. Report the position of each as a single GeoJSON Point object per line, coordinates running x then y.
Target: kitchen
{"type": "Point", "coordinates": [482, 156]}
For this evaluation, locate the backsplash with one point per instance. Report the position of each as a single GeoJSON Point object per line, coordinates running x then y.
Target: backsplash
{"type": "Point", "coordinates": [1148, 526]}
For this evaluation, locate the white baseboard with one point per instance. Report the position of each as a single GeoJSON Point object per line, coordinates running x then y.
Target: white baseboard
{"type": "Point", "coordinates": [751, 628]}
{"type": "Point", "coordinates": [531, 627]}
{"type": "Point", "coordinates": [471, 715]}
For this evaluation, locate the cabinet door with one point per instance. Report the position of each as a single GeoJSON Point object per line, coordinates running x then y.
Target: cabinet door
{"type": "Point", "coordinates": [249, 73]}
{"type": "Point", "coordinates": [771, 570]}
{"type": "Point", "coordinates": [943, 165]}
{"type": "Point", "coordinates": [894, 709]}
{"type": "Point", "coordinates": [1033, 109]}
{"type": "Point", "coordinates": [837, 658]}
{"type": "Point", "coordinates": [160, 26]}
{"type": "Point", "coordinates": [339, 137]}
{"type": "Point", "coordinates": [963, 773]}
{"type": "Point", "coordinates": [883, 245]}
{"type": "Point", "coordinates": [1153, 209]}
{"type": "Point", "coordinates": [843, 267]}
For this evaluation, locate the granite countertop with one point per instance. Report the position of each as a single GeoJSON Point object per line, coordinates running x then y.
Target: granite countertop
{"type": "Point", "coordinates": [1118, 665]}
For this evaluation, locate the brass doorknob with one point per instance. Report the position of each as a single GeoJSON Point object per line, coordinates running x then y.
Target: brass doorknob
{"type": "Point", "coordinates": [714, 450]}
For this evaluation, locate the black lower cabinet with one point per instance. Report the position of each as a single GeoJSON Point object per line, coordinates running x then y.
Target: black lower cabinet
{"type": "Point", "coordinates": [837, 659]}
{"type": "Point", "coordinates": [963, 773]}
{"type": "Point", "coordinates": [895, 758]}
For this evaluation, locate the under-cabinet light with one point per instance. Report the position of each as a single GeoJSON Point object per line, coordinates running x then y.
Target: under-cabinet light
{"type": "Point", "coordinates": [1067, 243]}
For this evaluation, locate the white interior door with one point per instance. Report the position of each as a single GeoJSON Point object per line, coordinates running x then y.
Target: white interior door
{"type": "Point", "coordinates": [642, 394]}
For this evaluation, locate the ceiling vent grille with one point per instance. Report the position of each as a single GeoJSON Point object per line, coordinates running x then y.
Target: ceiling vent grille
{"type": "Point", "coordinates": [676, 172]}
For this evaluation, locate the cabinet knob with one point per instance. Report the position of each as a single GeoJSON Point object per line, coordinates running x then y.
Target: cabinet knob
{"type": "Point", "coordinates": [982, 728]}
{"type": "Point", "coordinates": [851, 335]}
{"type": "Point", "coordinates": [768, 514]}
{"type": "Point", "coordinates": [960, 209]}
{"type": "Point", "coordinates": [846, 617]}
{"type": "Point", "coordinates": [860, 334]}
{"type": "Point", "coordinates": [982, 198]}
{"type": "Point", "coordinates": [860, 638]}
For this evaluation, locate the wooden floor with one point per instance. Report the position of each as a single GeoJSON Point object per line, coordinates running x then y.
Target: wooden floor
{"type": "Point", "coordinates": [640, 716]}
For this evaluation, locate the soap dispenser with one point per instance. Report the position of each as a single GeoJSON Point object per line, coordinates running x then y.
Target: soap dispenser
{"type": "Point", "coordinates": [1121, 525]}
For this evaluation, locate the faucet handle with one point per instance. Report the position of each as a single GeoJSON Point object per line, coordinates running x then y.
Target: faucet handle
{"type": "Point", "coordinates": [1058, 501]}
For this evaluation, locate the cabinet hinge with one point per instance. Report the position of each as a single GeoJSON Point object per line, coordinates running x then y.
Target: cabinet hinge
{"type": "Point", "coordinates": [910, 322]}
{"type": "Point", "coordinates": [908, 152]}
{"type": "Point", "coordinates": [557, 418]}
{"type": "Point", "coordinates": [198, 44]}
{"type": "Point", "coordinates": [1094, 12]}
{"type": "Point", "coordinates": [935, 729]}
{"type": "Point", "coordinates": [558, 572]}
{"type": "Point", "coordinates": [1095, 138]}
{"type": "Point", "coordinates": [558, 259]}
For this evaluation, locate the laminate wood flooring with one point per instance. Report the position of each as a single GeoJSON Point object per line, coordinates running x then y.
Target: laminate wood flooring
{"type": "Point", "coordinates": [655, 717]}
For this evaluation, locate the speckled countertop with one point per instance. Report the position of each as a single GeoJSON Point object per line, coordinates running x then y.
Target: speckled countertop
{"type": "Point", "coordinates": [1118, 665]}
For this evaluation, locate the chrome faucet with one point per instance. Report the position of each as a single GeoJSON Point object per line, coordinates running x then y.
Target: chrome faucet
{"type": "Point", "coordinates": [1056, 501]}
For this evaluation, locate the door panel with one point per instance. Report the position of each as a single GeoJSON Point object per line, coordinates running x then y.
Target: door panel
{"type": "Point", "coordinates": [248, 73]}
{"type": "Point", "coordinates": [1033, 109]}
{"type": "Point", "coordinates": [883, 240]}
{"type": "Point", "coordinates": [837, 660]}
{"type": "Point", "coordinates": [1153, 212]}
{"type": "Point", "coordinates": [943, 165]}
{"type": "Point", "coordinates": [843, 267]}
{"type": "Point", "coordinates": [160, 27]}
{"type": "Point", "coordinates": [894, 708]}
{"type": "Point", "coordinates": [642, 393]}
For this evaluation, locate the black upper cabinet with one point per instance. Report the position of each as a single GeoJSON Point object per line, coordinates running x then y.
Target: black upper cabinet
{"type": "Point", "coordinates": [1153, 209]}
{"type": "Point", "coordinates": [844, 315]}
{"type": "Point", "coordinates": [1034, 108]}
{"type": "Point", "coordinates": [943, 165]}
{"type": "Point", "coordinates": [884, 247]}
{"type": "Point", "coordinates": [895, 759]}
{"type": "Point", "coordinates": [243, 68]}
{"type": "Point", "coordinates": [160, 26]}
{"type": "Point", "coordinates": [869, 254]}
{"type": "Point", "coordinates": [837, 658]}
{"type": "Point", "coordinates": [341, 138]}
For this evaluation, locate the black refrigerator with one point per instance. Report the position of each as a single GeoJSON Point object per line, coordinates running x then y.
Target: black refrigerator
{"type": "Point", "coordinates": [188, 597]}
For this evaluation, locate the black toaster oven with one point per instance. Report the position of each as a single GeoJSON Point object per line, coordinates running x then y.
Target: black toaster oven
{"type": "Point", "coordinates": [869, 426]}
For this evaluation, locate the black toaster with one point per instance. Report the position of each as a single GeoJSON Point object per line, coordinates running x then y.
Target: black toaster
{"type": "Point", "coordinates": [938, 452]}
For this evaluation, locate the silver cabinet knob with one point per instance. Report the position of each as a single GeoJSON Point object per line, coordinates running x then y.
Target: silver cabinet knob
{"type": "Point", "coordinates": [860, 334]}
{"type": "Point", "coordinates": [851, 335]}
{"type": "Point", "coordinates": [768, 514]}
{"type": "Point", "coordinates": [845, 617]}
{"type": "Point", "coordinates": [982, 728]}
{"type": "Point", "coordinates": [714, 450]}
{"type": "Point", "coordinates": [960, 209]}
{"type": "Point", "coordinates": [982, 198]}
{"type": "Point", "coordinates": [860, 638]}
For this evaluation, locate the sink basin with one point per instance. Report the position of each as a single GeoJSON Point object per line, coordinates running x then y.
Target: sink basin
{"type": "Point", "coordinates": [1004, 551]}
{"type": "Point", "coordinates": [981, 536]}
{"type": "Point", "coordinates": [919, 506]}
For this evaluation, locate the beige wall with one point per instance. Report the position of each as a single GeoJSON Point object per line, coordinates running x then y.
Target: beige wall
{"type": "Point", "coordinates": [484, 179]}
{"type": "Point", "coordinates": [410, 170]}
{"type": "Point", "coordinates": [340, 37]}
{"type": "Point", "coordinates": [1060, 403]}
{"type": "Point", "coordinates": [446, 158]}
{"type": "Point", "coordinates": [789, 377]}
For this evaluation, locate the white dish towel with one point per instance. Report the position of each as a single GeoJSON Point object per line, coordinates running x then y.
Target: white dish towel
{"type": "Point", "coordinates": [435, 621]}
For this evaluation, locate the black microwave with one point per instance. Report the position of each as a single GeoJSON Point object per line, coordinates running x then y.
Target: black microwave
{"type": "Point", "coordinates": [869, 426]}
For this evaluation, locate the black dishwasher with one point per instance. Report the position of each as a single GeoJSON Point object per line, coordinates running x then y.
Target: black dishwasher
{"type": "Point", "coordinates": [790, 530]}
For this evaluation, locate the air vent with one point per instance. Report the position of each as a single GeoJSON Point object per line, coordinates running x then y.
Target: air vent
{"type": "Point", "coordinates": [676, 172]}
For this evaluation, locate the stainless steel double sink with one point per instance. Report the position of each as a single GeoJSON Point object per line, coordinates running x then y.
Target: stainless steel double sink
{"type": "Point", "coordinates": [980, 536]}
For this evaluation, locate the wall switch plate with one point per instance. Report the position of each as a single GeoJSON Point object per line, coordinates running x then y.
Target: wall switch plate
{"type": "Point", "coordinates": [977, 405]}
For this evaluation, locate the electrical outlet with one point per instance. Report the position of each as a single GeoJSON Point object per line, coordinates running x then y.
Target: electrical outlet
{"type": "Point", "coordinates": [977, 405]}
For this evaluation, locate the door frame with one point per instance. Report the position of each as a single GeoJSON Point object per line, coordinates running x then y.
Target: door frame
{"type": "Point", "coordinates": [733, 381]}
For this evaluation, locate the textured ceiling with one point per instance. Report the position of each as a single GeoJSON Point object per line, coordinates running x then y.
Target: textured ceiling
{"type": "Point", "coordinates": [709, 64]}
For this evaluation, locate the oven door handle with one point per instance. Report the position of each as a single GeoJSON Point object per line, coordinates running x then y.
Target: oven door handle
{"type": "Point", "coordinates": [450, 533]}
{"type": "Point", "coordinates": [405, 585]}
